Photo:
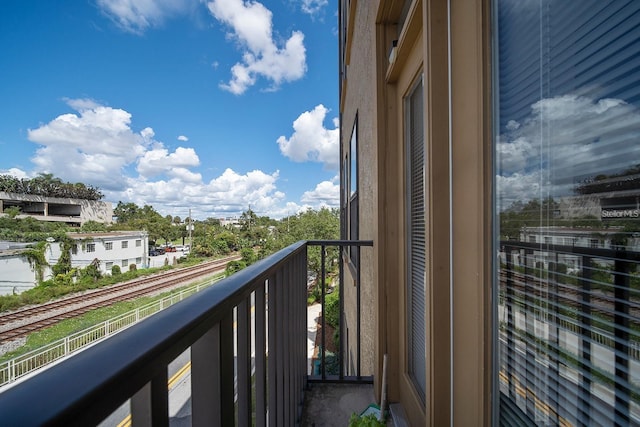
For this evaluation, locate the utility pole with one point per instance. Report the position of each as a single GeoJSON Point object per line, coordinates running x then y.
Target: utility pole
{"type": "Point", "coordinates": [190, 228]}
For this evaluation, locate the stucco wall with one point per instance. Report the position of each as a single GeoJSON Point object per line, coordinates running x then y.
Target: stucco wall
{"type": "Point", "coordinates": [361, 102]}
{"type": "Point", "coordinates": [16, 274]}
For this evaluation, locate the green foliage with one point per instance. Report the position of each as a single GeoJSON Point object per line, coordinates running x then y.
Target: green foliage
{"type": "Point", "coordinates": [133, 267]}
{"type": "Point", "coordinates": [233, 267]}
{"type": "Point", "coordinates": [92, 227]}
{"type": "Point", "coordinates": [36, 259]}
{"type": "Point", "coordinates": [248, 256]}
{"type": "Point", "coordinates": [115, 270]}
{"type": "Point", "coordinates": [63, 265]}
{"type": "Point", "coordinates": [29, 229]}
{"type": "Point", "coordinates": [365, 421]}
{"type": "Point", "coordinates": [332, 308]}
{"type": "Point", "coordinates": [45, 184]}
{"type": "Point", "coordinates": [91, 272]}
{"type": "Point", "coordinates": [12, 211]}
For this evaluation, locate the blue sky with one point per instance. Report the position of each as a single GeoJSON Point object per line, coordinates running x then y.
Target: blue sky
{"type": "Point", "coordinates": [213, 106]}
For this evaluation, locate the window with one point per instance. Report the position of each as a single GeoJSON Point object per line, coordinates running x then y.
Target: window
{"type": "Point", "coordinates": [125, 262]}
{"type": "Point", "coordinates": [566, 123]}
{"type": "Point", "coordinates": [74, 249]}
{"type": "Point", "coordinates": [108, 265]}
{"type": "Point", "coordinates": [138, 260]}
{"type": "Point", "coordinates": [353, 191]}
{"type": "Point", "coordinates": [125, 244]}
{"type": "Point", "coordinates": [90, 247]}
{"type": "Point", "coordinates": [138, 243]}
{"type": "Point", "coordinates": [416, 237]}
{"type": "Point", "coordinates": [108, 246]}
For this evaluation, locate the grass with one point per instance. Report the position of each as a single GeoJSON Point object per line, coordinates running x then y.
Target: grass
{"type": "Point", "coordinates": [50, 290]}
{"type": "Point", "coordinates": [68, 327]}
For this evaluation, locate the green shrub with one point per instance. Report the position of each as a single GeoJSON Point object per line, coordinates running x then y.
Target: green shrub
{"type": "Point", "coordinates": [332, 308]}
{"type": "Point", "coordinates": [366, 421]}
{"type": "Point", "coordinates": [115, 270]}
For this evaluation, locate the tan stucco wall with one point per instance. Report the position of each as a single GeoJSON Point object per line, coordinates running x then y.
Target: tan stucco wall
{"type": "Point", "coordinates": [361, 87]}
{"type": "Point", "coordinates": [457, 178]}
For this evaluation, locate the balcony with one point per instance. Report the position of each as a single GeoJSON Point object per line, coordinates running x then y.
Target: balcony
{"type": "Point", "coordinates": [247, 338]}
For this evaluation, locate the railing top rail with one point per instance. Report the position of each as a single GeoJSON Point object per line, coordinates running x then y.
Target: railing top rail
{"type": "Point", "coordinates": [340, 242]}
{"type": "Point", "coordinates": [99, 379]}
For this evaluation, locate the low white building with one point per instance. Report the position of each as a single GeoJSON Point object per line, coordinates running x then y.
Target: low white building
{"type": "Point", "coordinates": [121, 248]}
{"type": "Point", "coordinates": [16, 274]}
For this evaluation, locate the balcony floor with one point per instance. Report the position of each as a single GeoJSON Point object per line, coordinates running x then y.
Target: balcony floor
{"type": "Point", "coordinates": [333, 404]}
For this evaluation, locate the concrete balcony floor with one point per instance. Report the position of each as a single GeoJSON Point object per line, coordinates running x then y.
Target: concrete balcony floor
{"type": "Point", "coordinates": [331, 405]}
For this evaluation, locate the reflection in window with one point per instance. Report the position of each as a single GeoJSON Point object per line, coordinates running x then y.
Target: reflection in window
{"type": "Point", "coordinates": [353, 192]}
{"type": "Point", "coordinates": [567, 158]}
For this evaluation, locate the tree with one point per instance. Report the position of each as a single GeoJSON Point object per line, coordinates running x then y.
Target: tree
{"type": "Point", "coordinates": [45, 184]}
{"type": "Point", "coordinates": [125, 212]}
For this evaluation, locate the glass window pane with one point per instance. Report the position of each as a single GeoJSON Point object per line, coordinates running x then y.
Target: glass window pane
{"type": "Point", "coordinates": [567, 158]}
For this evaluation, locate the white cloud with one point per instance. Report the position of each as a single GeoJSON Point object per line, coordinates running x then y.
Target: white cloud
{"type": "Point", "coordinates": [158, 161]}
{"type": "Point", "coordinates": [251, 26]}
{"type": "Point", "coordinates": [136, 16]}
{"type": "Point", "coordinates": [326, 194]}
{"type": "Point", "coordinates": [313, 7]}
{"type": "Point", "coordinates": [311, 141]}
{"type": "Point", "coordinates": [93, 146]}
{"type": "Point", "coordinates": [18, 173]}
{"type": "Point", "coordinates": [229, 194]}
{"type": "Point", "coordinates": [183, 138]}
{"type": "Point", "coordinates": [98, 146]}
{"type": "Point", "coordinates": [564, 140]}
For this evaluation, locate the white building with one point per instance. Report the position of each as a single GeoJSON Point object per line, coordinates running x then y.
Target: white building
{"type": "Point", "coordinates": [121, 248]}
{"type": "Point", "coordinates": [17, 274]}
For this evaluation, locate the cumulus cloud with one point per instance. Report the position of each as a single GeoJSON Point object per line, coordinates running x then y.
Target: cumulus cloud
{"type": "Point", "coordinates": [92, 146]}
{"type": "Point", "coordinates": [136, 16]}
{"type": "Point", "coordinates": [251, 26]}
{"type": "Point", "coordinates": [158, 160]}
{"type": "Point", "coordinates": [226, 195]}
{"type": "Point", "coordinates": [563, 141]}
{"type": "Point", "coordinates": [18, 173]}
{"type": "Point", "coordinates": [183, 138]}
{"type": "Point", "coordinates": [311, 141]}
{"type": "Point", "coordinates": [326, 194]}
{"type": "Point", "coordinates": [97, 144]}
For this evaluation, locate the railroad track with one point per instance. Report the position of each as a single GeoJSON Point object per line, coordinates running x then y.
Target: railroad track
{"type": "Point", "coordinates": [20, 323]}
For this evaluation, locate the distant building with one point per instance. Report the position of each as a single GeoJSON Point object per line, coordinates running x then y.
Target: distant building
{"type": "Point", "coordinates": [17, 274]}
{"type": "Point", "coordinates": [230, 222]}
{"type": "Point", "coordinates": [121, 248]}
{"type": "Point", "coordinates": [73, 212]}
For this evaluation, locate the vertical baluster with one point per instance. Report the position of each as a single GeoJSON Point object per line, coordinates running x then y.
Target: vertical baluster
{"type": "Point", "coordinates": [244, 363]}
{"type": "Point", "coordinates": [150, 405]}
{"type": "Point", "coordinates": [260, 361]}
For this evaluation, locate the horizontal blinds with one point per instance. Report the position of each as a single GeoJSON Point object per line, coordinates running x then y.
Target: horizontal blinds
{"type": "Point", "coordinates": [567, 156]}
{"type": "Point", "coordinates": [417, 239]}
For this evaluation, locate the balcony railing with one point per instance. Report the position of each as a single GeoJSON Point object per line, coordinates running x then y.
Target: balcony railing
{"type": "Point", "coordinates": [247, 337]}
{"type": "Point", "coordinates": [569, 332]}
